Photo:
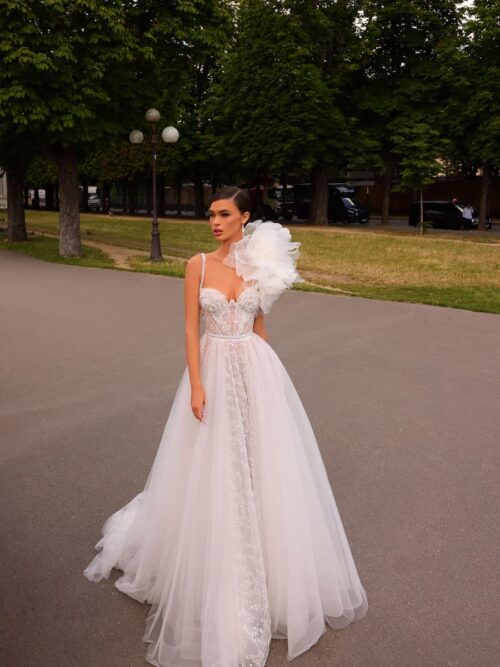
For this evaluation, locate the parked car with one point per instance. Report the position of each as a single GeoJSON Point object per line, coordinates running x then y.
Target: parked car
{"type": "Point", "coordinates": [343, 204]}
{"type": "Point", "coordinates": [444, 215]}
{"type": "Point", "coordinates": [94, 202]}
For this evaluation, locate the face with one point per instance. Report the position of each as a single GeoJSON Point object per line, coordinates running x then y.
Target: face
{"type": "Point", "coordinates": [226, 220]}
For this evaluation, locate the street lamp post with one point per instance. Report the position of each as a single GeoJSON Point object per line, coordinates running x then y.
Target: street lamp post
{"type": "Point", "coordinates": [169, 135]}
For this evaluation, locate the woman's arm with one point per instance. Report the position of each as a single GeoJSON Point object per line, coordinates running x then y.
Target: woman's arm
{"type": "Point", "coordinates": [192, 330]}
{"type": "Point", "coordinates": [259, 327]}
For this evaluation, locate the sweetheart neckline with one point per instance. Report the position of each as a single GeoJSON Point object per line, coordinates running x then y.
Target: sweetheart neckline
{"type": "Point", "coordinates": [228, 301]}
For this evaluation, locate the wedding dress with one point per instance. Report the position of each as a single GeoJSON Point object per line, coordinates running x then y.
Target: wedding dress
{"type": "Point", "coordinates": [236, 537]}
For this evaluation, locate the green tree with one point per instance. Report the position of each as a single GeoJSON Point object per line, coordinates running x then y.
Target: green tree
{"type": "Point", "coordinates": [70, 69]}
{"type": "Point", "coordinates": [472, 76]}
{"type": "Point", "coordinates": [332, 31]}
{"type": "Point", "coordinates": [15, 154]}
{"type": "Point", "coordinates": [419, 145]}
{"type": "Point", "coordinates": [193, 156]}
{"type": "Point", "coordinates": [82, 72]}
{"type": "Point", "coordinates": [401, 74]}
{"type": "Point", "coordinates": [274, 109]}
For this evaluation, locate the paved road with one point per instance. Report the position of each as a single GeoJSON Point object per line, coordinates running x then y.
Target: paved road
{"type": "Point", "coordinates": [401, 223]}
{"type": "Point", "coordinates": [404, 402]}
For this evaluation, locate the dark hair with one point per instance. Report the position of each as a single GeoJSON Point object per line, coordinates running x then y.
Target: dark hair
{"type": "Point", "coordinates": [240, 196]}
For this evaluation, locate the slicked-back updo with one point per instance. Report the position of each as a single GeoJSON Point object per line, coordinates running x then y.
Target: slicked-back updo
{"type": "Point", "coordinates": [240, 196]}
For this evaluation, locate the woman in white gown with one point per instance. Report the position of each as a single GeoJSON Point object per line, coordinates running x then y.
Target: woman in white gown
{"type": "Point", "coordinates": [236, 537]}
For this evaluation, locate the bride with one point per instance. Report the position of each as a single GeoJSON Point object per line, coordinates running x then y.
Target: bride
{"type": "Point", "coordinates": [236, 537]}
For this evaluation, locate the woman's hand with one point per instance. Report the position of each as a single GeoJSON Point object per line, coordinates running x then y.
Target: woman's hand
{"type": "Point", "coordinates": [198, 402]}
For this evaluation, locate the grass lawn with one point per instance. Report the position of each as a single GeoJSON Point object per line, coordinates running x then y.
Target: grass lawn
{"type": "Point", "coordinates": [459, 271]}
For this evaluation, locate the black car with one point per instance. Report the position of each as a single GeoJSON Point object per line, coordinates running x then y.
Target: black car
{"type": "Point", "coordinates": [343, 205]}
{"type": "Point", "coordinates": [444, 215]}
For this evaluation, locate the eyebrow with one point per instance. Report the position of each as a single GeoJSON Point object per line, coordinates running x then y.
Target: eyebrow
{"type": "Point", "coordinates": [223, 210]}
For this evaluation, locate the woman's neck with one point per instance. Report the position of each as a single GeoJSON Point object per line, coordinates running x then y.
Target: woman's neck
{"type": "Point", "coordinates": [225, 246]}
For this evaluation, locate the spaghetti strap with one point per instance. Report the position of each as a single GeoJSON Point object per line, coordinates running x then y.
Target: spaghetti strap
{"type": "Point", "coordinates": [202, 269]}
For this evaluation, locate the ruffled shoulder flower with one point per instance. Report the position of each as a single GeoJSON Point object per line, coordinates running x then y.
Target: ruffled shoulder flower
{"type": "Point", "coordinates": [267, 255]}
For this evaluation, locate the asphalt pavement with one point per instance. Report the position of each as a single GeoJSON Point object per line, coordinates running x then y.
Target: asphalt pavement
{"type": "Point", "coordinates": [401, 223]}
{"type": "Point", "coordinates": [403, 399]}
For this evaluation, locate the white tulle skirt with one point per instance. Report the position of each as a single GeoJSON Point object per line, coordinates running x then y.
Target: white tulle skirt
{"type": "Point", "coordinates": [236, 537]}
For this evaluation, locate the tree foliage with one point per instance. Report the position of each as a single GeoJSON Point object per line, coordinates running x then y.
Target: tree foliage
{"type": "Point", "coordinates": [276, 107]}
{"type": "Point", "coordinates": [256, 88]}
{"type": "Point", "coordinates": [76, 74]}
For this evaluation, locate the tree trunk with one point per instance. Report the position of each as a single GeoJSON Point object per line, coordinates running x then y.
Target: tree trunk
{"type": "Point", "coordinates": [214, 181]}
{"type": "Point", "coordinates": [386, 197]}
{"type": "Point", "coordinates": [318, 214]}
{"type": "Point", "coordinates": [69, 203]}
{"type": "Point", "coordinates": [199, 196]}
{"type": "Point", "coordinates": [485, 198]}
{"type": "Point", "coordinates": [123, 186]}
{"type": "Point", "coordinates": [421, 211]}
{"type": "Point", "coordinates": [106, 198]}
{"type": "Point", "coordinates": [49, 197]}
{"type": "Point", "coordinates": [284, 206]}
{"type": "Point", "coordinates": [16, 221]}
{"type": "Point", "coordinates": [36, 199]}
{"type": "Point", "coordinates": [131, 198]}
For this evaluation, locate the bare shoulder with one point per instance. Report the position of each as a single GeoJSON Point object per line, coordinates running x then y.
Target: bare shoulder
{"type": "Point", "coordinates": [193, 265]}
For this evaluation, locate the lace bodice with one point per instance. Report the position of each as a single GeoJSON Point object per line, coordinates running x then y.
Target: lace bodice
{"type": "Point", "coordinates": [228, 318]}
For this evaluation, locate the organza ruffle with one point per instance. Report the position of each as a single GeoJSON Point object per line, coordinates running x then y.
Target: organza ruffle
{"type": "Point", "coordinates": [266, 254]}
